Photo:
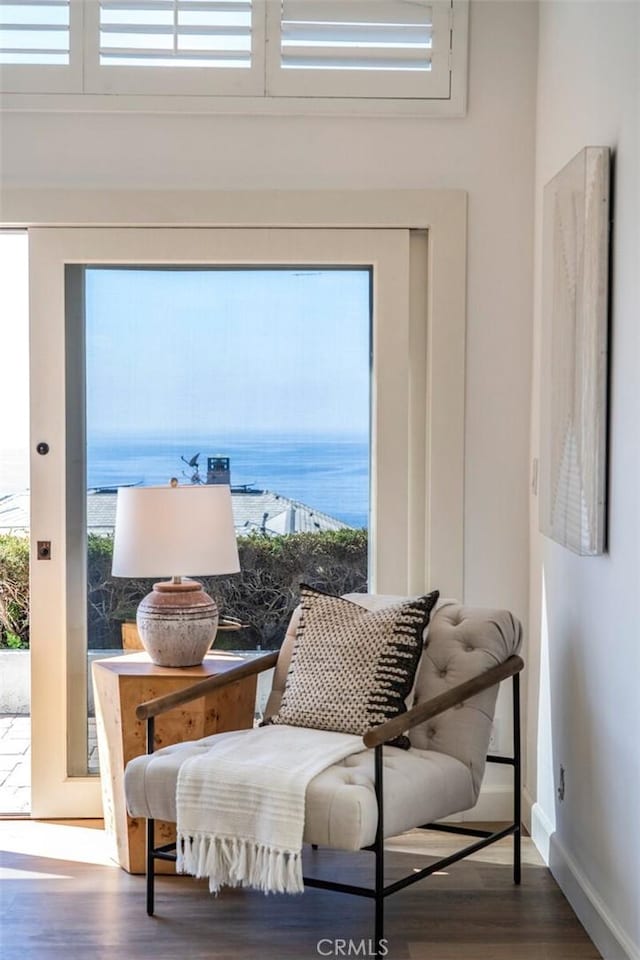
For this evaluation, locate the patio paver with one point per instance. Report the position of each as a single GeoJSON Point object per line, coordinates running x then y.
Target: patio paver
{"type": "Point", "coordinates": [15, 762]}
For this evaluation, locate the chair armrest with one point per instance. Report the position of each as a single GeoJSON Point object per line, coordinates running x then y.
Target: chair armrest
{"type": "Point", "coordinates": [152, 708]}
{"type": "Point", "coordinates": [444, 701]}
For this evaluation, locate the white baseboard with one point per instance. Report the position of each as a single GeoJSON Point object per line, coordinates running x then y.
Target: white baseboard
{"type": "Point", "coordinates": [541, 831]}
{"type": "Point", "coordinates": [610, 939]}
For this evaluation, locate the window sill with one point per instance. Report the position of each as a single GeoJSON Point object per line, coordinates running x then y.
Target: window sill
{"type": "Point", "coordinates": [455, 106]}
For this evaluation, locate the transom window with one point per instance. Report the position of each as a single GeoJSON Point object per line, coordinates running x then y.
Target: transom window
{"type": "Point", "coordinates": [334, 49]}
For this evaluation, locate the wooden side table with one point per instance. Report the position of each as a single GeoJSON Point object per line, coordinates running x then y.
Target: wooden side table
{"type": "Point", "coordinates": [120, 684]}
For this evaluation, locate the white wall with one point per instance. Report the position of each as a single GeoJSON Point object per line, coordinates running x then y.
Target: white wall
{"type": "Point", "coordinates": [489, 153]}
{"type": "Point", "coordinates": [585, 610]}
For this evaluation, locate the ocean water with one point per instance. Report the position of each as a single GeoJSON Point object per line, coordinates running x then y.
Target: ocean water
{"type": "Point", "coordinates": [330, 474]}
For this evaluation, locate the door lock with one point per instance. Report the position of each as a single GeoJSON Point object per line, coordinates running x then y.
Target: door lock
{"type": "Point", "coordinates": [44, 550]}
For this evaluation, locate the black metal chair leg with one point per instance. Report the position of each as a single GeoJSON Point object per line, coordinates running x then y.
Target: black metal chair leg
{"type": "Point", "coordinates": [380, 950]}
{"type": "Point", "coordinates": [517, 784]}
{"type": "Point", "coordinates": [379, 928]}
{"type": "Point", "coordinates": [150, 866]}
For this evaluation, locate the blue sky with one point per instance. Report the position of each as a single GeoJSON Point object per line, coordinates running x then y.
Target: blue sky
{"type": "Point", "coordinates": [227, 351]}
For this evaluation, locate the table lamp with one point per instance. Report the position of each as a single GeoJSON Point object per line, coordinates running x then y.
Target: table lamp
{"type": "Point", "coordinates": [173, 531]}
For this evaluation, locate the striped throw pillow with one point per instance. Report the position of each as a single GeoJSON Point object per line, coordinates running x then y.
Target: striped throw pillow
{"type": "Point", "coordinates": [353, 668]}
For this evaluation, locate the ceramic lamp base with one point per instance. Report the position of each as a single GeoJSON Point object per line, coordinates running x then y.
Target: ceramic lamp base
{"type": "Point", "coordinates": [177, 623]}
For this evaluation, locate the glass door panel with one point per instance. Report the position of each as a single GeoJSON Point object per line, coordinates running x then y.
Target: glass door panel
{"type": "Point", "coordinates": [256, 377]}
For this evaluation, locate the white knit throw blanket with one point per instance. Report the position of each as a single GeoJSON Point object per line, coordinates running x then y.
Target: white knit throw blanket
{"type": "Point", "coordinates": [240, 805]}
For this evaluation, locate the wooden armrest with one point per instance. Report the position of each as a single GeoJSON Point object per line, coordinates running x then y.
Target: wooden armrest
{"type": "Point", "coordinates": [152, 708]}
{"type": "Point", "coordinates": [444, 701]}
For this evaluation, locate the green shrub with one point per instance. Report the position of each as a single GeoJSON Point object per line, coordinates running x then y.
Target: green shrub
{"type": "Point", "coordinates": [263, 595]}
{"type": "Point", "coordinates": [110, 600]}
{"type": "Point", "coordinates": [14, 591]}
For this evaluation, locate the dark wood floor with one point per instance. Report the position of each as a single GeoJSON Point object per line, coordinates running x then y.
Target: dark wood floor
{"type": "Point", "coordinates": [61, 899]}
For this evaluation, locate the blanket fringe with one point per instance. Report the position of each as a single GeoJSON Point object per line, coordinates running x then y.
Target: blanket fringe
{"type": "Point", "coordinates": [234, 862]}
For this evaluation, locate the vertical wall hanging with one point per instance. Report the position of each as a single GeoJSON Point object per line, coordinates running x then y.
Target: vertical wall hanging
{"type": "Point", "coordinates": [573, 436]}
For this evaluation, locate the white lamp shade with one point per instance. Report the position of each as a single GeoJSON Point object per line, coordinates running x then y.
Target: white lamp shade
{"type": "Point", "coordinates": [174, 531]}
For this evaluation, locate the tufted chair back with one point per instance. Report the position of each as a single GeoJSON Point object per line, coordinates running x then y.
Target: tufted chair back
{"type": "Point", "coordinates": [461, 643]}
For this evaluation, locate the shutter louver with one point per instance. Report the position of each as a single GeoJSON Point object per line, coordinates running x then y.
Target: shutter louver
{"type": "Point", "coordinates": [352, 48]}
{"type": "Point", "coordinates": [176, 33]}
{"type": "Point", "coordinates": [34, 32]}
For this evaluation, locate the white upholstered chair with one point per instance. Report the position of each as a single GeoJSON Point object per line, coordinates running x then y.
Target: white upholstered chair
{"type": "Point", "coordinates": [384, 791]}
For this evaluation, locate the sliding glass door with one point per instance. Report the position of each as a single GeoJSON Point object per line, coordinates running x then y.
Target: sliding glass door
{"type": "Point", "coordinates": [276, 360]}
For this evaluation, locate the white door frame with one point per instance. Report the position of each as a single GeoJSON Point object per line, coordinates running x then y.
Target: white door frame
{"type": "Point", "coordinates": [430, 328]}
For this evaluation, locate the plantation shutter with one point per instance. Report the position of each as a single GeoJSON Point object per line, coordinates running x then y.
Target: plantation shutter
{"type": "Point", "coordinates": [360, 48]}
{"type": "Point", "coordinates": [40, 45]}
{"type": "Point", "coordinates": [177, 46]}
